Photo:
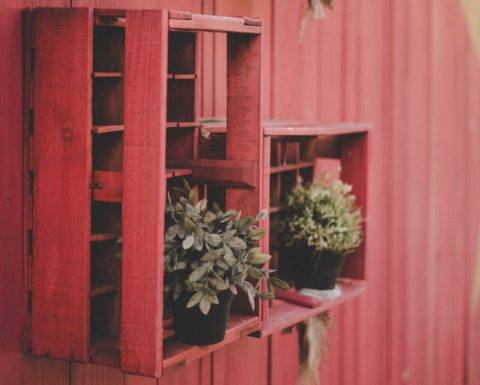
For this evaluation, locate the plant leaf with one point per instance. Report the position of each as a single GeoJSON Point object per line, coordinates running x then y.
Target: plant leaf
{"type": "Point", "coordinates": [195, 299]}
{"type": "Point", "coordinates": [257, 234]}
{"type": "Point", "coordinates": [188, 242]}
{"type": "Point", "coordinates": [201, 206]}
{"type": "Point", "coordinates": [276, 282]}
{"type": "Point", "coordinates": [205, 304]}
{"type": "Point", "coordinates": [261, 216]}
{"type": "Point", "coordinates": [213, 239]}
{"type": "Point", "coordinates": [228, 256]}
{"type": "Point", "coordinates": [198, 273]}
{"type": "Point", "coordinates": [260, 259]}
{"type": "Point", "coordinates": [237, 243]}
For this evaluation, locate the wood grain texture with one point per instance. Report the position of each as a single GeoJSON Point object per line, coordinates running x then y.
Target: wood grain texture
{"type": "Point", "coordinates": [417, 61]}
{"type": "Point", "coordinates": [62, 161]}
{"type": "Point", "coordinates": [144, 192]}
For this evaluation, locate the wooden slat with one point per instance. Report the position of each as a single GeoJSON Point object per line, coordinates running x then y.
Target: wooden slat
{"type": "Point", "coordinates": [214, 23]}
{"type": "Point", "coordinates": [287, 314]}
{"type": "Point", "coordinates": [60, 319]}
{"type": "Point", "coordinates": [290, 167]}
{"type": "Point", "coordinates": [107, 129]}
{"type": "Point", "coordinates": [236, 173]}
{"type": "Point", "coordinates": [144, 191]}
{"type": "Point", "coordinates": [355, 172]}
{"type": "Point", "coordinates": [176, 354]}
{"type": "Point", "coordinates": [107, 186]}
{"type": "Point", "coordinates": [244, 133]}
{"type": "Point", "coordinates": [99, 237]}
{"type": "Point", "coordinates": [102, 289]}
{"type": "Point", "coordinates": [182, 76]}
{"type": "Point", "coordinates": [107, 74]}
{"type": "Point", "coordinates": [281, 128]}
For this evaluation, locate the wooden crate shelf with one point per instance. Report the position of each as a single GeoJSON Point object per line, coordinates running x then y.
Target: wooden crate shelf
{"type": "Point", "coordinates": [284, 315]}
{"type": "Point", "coordinates": [130, 130]}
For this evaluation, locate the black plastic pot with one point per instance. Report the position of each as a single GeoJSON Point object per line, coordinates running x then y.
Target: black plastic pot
{"type": "Point", "coordinates": [195, 328]}
{"type": "Point", "coordinates": [316, 270]}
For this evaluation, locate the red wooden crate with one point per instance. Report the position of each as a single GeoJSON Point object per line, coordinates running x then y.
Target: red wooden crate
{"type": "Point", "coordinates": [114, 128]}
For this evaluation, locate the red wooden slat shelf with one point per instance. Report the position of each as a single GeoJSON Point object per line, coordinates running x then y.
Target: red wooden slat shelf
{"type": "Point", "coordinates": [290, 167]}
{"type": "Point", "coordinates": [178, 172]}
{"type": "Point", "coordinates": [102, 289]}
{"type": "Point", "coordinates": [113, 75]}
{"type": "Point", "coordinates": [110, 21]}
{"type": "Point", "coordinates": [284, 314]}
{"type": "Point", "coordinates": [189, 21]}
{"type": "Point", "coordinates": [176, 354]}
{"type": "Point", "coordinates": [182, 124]}
{"type": "Point", "coordinates": [182, 76]}
{"type": "Point", "coordinates": [108, 129]}
{"type": "Point", "coordinates": [285, 128]}
{"type": "Point", "coordinates": [99, 237]}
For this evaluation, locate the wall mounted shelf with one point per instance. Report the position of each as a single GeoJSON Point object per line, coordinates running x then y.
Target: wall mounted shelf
{"type": "Point", "coordinates": [113, 129]}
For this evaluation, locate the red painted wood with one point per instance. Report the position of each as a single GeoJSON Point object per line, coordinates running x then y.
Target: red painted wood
{"type": "Point", "coordinates": [243, 122]}
{"type": "Point", "coordinates": [60, 308]}
{"type": "Point", "coordinates": [144, 192]}
{"type": "Point", "coordinates": [355, 161]}
{"type": "Point", "coordinates": [287, 314]}
{"type": "Point", "coordinates": [176, 354]}
{"type": "Point", "coordinates": [107, 186]}
{"type": "Point", "coordinates": [213, 23]}
{"type": "Point", "coordinates": [243, 362]}
{"type": "Point", "coordinates": [232, 173]}
{"type": "Point", "coordinates": [378, 27]}
{"type": "Point", "coordinates": [283, 367]}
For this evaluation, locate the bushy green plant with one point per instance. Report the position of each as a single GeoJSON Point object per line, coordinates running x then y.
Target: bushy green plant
{"type": "Point", "coordinates": [322, 215]}
{"type": "Point", "coordinates": [208, 251]}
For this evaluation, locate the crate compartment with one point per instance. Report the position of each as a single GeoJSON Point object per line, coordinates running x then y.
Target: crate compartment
{"type": "Point", "coordinates": [181, 100]}
{"type": "Point", "coordinates": [107, 101]}
{"type": "Point", "coordinates": [106, 218]}
{"type": "Point", "coordinates": [181, 54]}
{"type": "Point", "coordinates": [105, 317]}
{"type": "Point", "coordinates": [181, 143]}
{"type": "Point", "coordinates": [108, 152]}
{"type": "Point", "coordinates": [108, 49]}
{"type": "Point", "coordinates": [106, 263]}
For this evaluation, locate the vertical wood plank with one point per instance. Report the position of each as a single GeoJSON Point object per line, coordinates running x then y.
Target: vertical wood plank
{"type": "Point", "coordinates": [144, 191]}
{"type": "Point", "coordinates": [86, 374]}
{"type": "Point", "coordinates": [62, 162]}
{"type": "Point", "coordinates": [244, 131]}
{"type": "Point", "coordinates": [44, 371]}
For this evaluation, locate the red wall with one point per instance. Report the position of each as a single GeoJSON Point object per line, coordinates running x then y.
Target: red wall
{"type": "Point", "coordinates": [406, 66]}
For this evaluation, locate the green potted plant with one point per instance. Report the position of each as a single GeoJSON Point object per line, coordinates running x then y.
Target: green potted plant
{"type": "Point", "coordinates": [208, 255]}
{"type": "Point", "coordinates": [320, 225]}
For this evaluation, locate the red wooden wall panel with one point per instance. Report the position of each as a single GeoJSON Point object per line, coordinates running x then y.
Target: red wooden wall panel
{"type": "Point", "coordinates": [400, 65]}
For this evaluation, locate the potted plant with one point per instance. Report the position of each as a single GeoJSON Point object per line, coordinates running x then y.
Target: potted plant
{"type": "Point", "coordinates": [320, 225]}
{"type": "Point", "coordinates": [210, 253]}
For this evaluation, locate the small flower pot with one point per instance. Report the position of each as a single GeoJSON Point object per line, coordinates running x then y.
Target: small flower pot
{"type": "Point", "coordinates": [195, 328]}
{"type": "Point", "coordinates": [317, 270]}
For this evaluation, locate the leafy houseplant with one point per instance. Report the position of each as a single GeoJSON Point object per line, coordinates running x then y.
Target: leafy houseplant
{"type": "Point", "coordinates": [208, 254]}
{"type": "Point", "coordinates": [320, 225]}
